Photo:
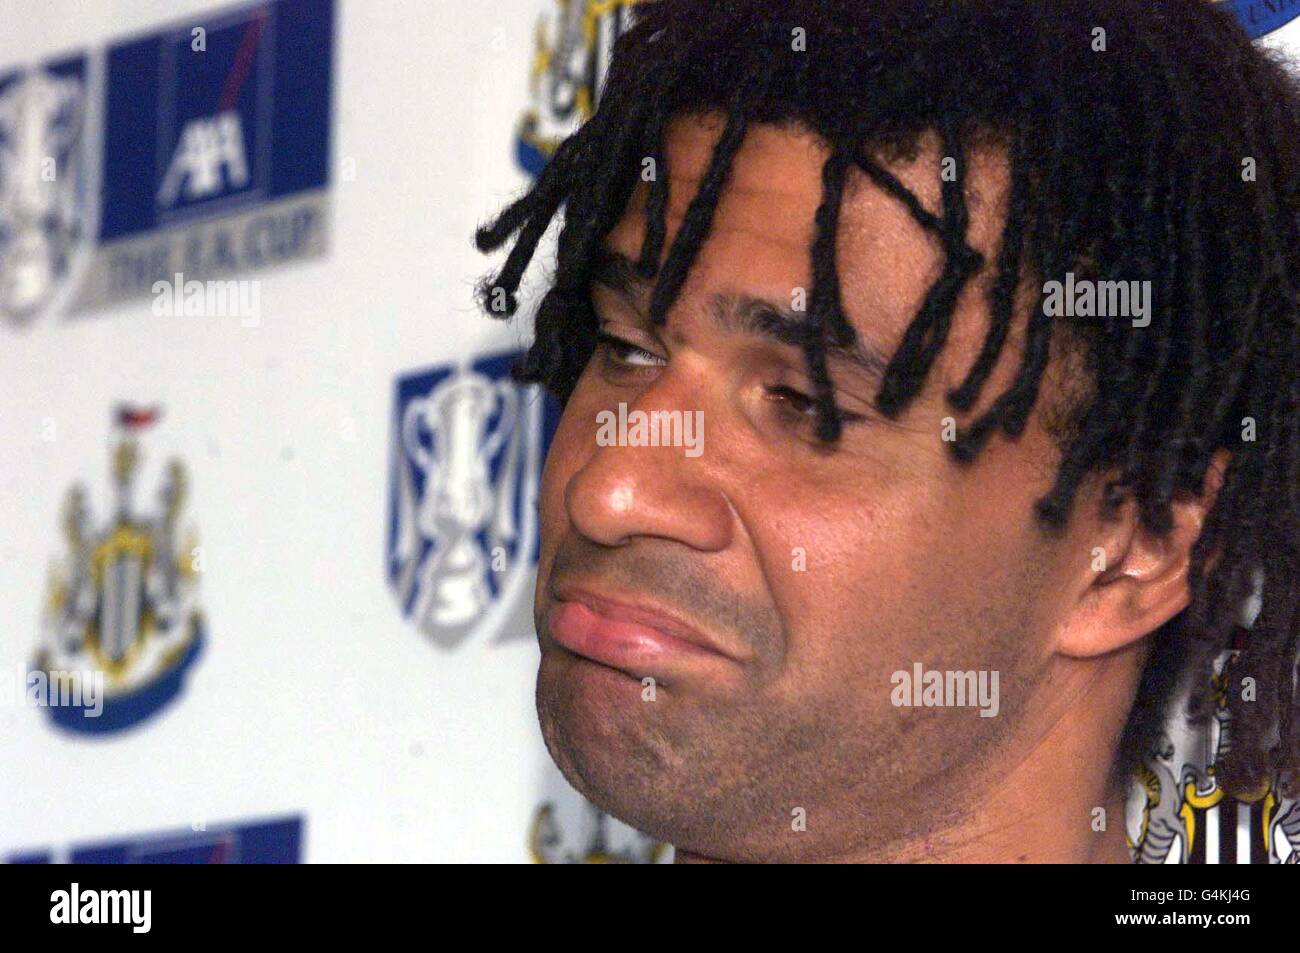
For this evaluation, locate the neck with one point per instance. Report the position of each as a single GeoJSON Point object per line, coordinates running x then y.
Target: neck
{"type": "Point", "coordinates": [1044, 807]}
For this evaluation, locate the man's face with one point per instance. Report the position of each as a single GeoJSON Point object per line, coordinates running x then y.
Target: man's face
{"type": "Point", "coordinates": [811, 576]}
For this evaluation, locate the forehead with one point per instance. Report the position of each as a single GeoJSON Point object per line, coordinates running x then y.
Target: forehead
{"type": "Point", "coordinates": [763, 228]}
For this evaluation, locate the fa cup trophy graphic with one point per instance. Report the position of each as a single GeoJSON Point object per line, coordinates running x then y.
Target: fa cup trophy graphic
{"type": "Point", "coordinates": [450, 579]}
{"type": "Point", "coordinates": [43, 205]}
{"type": "Point", "coordinates": [123, 605]}
{"type": "Point", "coordinates": [467, 443]}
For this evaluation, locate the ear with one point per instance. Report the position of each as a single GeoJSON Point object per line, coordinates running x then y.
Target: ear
{"type": "Point", "coordinates": [1134, 581]}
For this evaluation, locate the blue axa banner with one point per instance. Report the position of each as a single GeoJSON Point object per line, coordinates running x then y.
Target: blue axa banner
{"type": "Point", "coordinates": [273, 841]}
{"type": "Point", "coordinates": [199, 150]}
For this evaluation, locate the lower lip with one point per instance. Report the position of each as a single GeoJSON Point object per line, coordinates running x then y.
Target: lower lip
{"type": "Point", "coordinates": [623, 645]}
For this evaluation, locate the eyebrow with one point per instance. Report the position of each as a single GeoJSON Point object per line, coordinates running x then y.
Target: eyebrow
{"type": "Point", "coordinates": [740, 313]}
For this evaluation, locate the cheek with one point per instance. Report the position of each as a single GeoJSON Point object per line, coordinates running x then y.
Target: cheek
{"type": "Point", "coordinates": [844, 576]}
{"type": "Point", "coordinates": [888, 574]}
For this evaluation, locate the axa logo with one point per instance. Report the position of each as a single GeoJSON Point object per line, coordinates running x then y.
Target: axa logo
{"type": "Point", "coordinates": [209, 160]}
{"type": "Point", "coordinates": [216, 111]}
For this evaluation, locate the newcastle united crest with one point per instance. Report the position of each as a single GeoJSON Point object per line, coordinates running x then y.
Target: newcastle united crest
{"type": "Point", "coordinates": [595, 839]}
{"type": "Point", "coordinates": [571, 53]}
{"type": "Point", "coordinates": [122, 607]}
{"type": "Point", "coordinates": [467, 449]}
{"type": "Point", "coordinates": [1176, 811]}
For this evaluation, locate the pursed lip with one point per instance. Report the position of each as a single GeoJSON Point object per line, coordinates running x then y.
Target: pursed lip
{"type": "Point", "coordinates": [623, 631]}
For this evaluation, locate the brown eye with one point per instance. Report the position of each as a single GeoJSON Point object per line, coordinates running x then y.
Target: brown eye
{"type": "Point", "coordinates": [797, 401]}
{"type": "Point", "coordinates": [799, 408]}
{"type": "Point", "coordinates": [627, 352]}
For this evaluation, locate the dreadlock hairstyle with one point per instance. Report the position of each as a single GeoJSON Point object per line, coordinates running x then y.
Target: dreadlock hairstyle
{"type": "Point", "coordinates": [1128, 126]}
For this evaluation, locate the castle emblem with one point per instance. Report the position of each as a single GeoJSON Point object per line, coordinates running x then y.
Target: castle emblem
{"type": "Point", "coordinates": [598, 839]}
{"type": "Point", "coordinates": [571, 54]}
{"type": "Point", "coordinates": [122, 606]}
{"type": "Point", "coordinates": [1177, 813]}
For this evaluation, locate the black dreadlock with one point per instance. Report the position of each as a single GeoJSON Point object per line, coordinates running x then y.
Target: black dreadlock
{"type": "Point", "coordinates": [1148, 140]}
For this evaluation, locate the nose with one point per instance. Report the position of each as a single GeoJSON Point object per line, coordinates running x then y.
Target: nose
{"type": "Point", "coordinates": [625, 490]}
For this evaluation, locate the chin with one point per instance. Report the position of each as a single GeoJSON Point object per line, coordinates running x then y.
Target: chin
{"type": "Point", "coordinates": [596, 733]}
{"type": "Point", "coordinates": [659, 769]}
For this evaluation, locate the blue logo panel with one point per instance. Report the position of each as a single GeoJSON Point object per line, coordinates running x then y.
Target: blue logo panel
{"type": "Point", "coordinates": [277, 841]}
{"type": "Point", "coordinates": [468, 444]}
{"type": "Point", "coordinates": [198, 123]}
{"type": "Point", "coordinates": [1261, 17]}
